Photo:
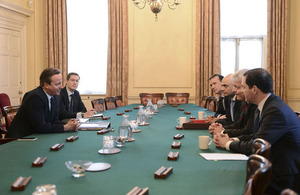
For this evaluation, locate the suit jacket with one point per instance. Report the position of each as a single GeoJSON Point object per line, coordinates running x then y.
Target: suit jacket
{"type": "Point", "coordinates": [237, 111]}
{"type": "Point", "coordinates": [244, 126]}
{"type": "Point", "coordinates": [34, 115]}
{"type": "Point", "coordinates": [281, 127]}
{"type": "Point", "coordinates": [221, 110]}
{"type": "Point", "coordinates": [78, 105]}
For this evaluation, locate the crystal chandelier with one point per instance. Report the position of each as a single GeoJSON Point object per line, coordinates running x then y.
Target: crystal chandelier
{"type": "Point", "coordinates": [156, 5]}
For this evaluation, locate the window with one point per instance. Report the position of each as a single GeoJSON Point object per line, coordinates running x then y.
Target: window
{"type": "Point", "coordinates": [243, 34]}
{"type": "Point", "coordinates": [88, 43]}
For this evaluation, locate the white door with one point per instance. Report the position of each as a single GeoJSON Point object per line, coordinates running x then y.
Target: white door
{"type": "Point", "coordinates": [11, 81]}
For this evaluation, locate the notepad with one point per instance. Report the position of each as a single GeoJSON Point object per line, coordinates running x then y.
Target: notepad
{"type": "Point", "coordinates": [223, 156]}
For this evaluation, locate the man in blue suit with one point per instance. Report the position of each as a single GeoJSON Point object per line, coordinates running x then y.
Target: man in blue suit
{"type": "Point", "coordinates": [275, 122]}
{"type": "Point", "coordinates": [40, 109]}
{"type": "Point", "coordinates": [71, 103]}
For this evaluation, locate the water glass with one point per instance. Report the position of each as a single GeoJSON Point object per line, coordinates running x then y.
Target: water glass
{"type": "Point", "coordinates": [108, 142]}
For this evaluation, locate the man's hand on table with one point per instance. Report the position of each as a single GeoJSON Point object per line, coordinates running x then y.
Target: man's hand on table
{"type": "Point", "coordinates": [72, 125]}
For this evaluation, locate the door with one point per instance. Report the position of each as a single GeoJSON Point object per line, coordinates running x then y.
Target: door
{"type": "Point", "coordinates": [11, 59]}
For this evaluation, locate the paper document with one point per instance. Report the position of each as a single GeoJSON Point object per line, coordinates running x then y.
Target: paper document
{"type": "Point", "coordinates": [94, 125]}
{"type": "Point", "coordinates": [223, 156]}
{"type": "Point", "coordinates": [99, 115]}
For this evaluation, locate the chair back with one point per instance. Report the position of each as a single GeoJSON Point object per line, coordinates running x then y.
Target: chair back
{"type": "Point", "coordinates": [298, 114]}
{"type": "Point", "coordinates": [98, 104]}
{"type": "Point", "coordinates": [110, 103]}
{"type": "Point", "coordinates": [119, 101]}
{"type": "Point", "coordinates": [153, 96]}
{"type": "Point", "coordinates": [261, 147]}
{"type": "Point", "coordinates": [177, 98]}
{"type": "Point", "coordinates": [4, 101]}
{"type": "Point", "coordinates": [211, 103]}
{"type": "Point", "coordinates": [9, 114]}
{"type": "Point", "coordinates": [258, 175]}
{"type": "Point", "coordinates": [203, 101]}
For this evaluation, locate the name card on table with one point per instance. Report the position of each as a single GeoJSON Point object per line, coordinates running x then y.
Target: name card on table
{"type": "Point", "coordinates": [39, 162]}
{"type": "Point", "coordinates": [56, 147]}
{"type": "Point", "coordinates": [173, 155]}
{"type": "Point", "coordinates": [20, 183]}
{"type": "Point", "coordinates": [72, 138]}
{"type": "Point", "coordinates": [163, 172]}
{"type": "Point", "coordinates": [178, 136]}
{"type": "Point", "coordinates": [138, 191]}
{"type": "Point", "coordinates": [176, 145]}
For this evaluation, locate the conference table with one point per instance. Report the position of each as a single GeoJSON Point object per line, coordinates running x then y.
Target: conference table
{"type": "Point", "coordinates": [134, 166]}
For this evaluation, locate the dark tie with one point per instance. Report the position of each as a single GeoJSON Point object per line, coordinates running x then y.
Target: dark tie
{"type": "Point", "coordinates": [256, 121]}
{"type": "Point", "coordinates": [51, 107]}
{"type": "Point", "coordinates": [71, 103]}
{"type": "Point", "coordinates": [232, 109]}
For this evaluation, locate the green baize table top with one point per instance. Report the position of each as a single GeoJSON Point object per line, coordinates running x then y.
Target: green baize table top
{"type": "Point", "coordinates": [134, 166]}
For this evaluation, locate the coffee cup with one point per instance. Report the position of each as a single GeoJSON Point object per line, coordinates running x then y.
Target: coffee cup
{"type": "Point", "coordinates": [181, 120]}
{"type": "Point", "coordinates": [204, 142]}
{"type": "Point", "coordinates": [201, 115]}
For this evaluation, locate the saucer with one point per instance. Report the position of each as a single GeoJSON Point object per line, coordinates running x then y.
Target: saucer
{"type": "Point", "coordinates": [109, 151]}
{"type": "Point", "coordinates": [145, 124]}
{"type": "Point", "coordinates": [96, 167]}
{"type": "Point", "coordinates": [136, 131]}
{"type": "Point", "coordinates": [131, 140]}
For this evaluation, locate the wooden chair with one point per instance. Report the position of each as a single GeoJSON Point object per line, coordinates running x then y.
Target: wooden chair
{"type": "Point", "coordinates": [203, 101]}
{"type": "Point", "coordinates": [258, 175]}
{"type": "Point", "coordinates": [261, 147]}
{"type": "Point", "coordinates": [110, 103]}
{"type": "Point", "coordinates": [153, 96]}
{"type": "Point", "coordinates": [177, 98]}
{"type": "Point", "coordinates": [4, 101]}
{"type": "Point", "coordinates": [9, 114]}
{"type": "Point", "coordinates": [298, 114]}
{"type": "Point", "coordinates": [98, 104]}
{"type": "Point", "coordinates": [119, 101]}
{"type": "Point", "coordinates": [211, 103]}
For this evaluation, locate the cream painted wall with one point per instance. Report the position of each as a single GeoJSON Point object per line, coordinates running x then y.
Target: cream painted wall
{"type": "Point", "coordinates": [293, 60]}
{"type": "Point", "coordinates": [161, 53]}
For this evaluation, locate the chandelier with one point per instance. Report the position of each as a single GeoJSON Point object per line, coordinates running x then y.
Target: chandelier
{"type": "Point", "coordinates": [156, 5]}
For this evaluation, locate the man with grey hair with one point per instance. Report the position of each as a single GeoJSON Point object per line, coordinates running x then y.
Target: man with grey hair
{"type": "Point", "coordinates": [244, 125]}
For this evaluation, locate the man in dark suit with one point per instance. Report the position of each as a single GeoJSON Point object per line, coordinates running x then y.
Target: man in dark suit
{"type": "Point", "coordinates": [40, 109]}
{"type": "Point", "coordinates": [71, 103]}
{"type": "Point", "coordinates": [232, 105]}
{"type": "Point", "coordinates": [215, 84]}
{"type": "Point", "coordinates": [244, 125]}
{"type": "Point", "coordinates": [275, 122]}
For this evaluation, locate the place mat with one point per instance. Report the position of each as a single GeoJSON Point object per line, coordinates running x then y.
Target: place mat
{"type": "Point", "coordinates": [96, 167]}
{"type": "Point", "coordinates": [109, 151]}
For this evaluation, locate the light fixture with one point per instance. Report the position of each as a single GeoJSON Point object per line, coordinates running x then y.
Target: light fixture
{"type": "Point", "coordinates": [156, 5]}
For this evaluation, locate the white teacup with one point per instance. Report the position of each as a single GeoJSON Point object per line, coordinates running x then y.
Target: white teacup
{"type": "Point", "coordinates": [201, 115]}
{"type": "Point", "coordinates": [181, 120]}
{"type": "Point", "coordinates": [204, 142]}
